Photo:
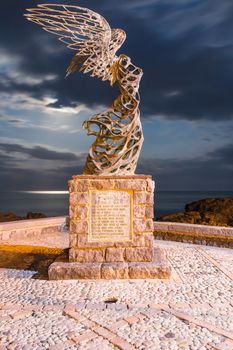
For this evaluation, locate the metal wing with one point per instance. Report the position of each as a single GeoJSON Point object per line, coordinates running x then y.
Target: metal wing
{"type": "Point", "coordinates": [76, 26]}
{"type": "Point", "coordinates": [84, 31]}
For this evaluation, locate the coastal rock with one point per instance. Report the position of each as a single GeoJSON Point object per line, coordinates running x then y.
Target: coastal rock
{"type": "Point", "coordinates": [9, 217]}
{"type": "Point", "coordinates": [193, 217]}
{"type": "Point", "coordinates": [31, 215]}
{"type": "Point", "coordinates": [6, 217]}
{"type": "Point", "coordinates": [209, 211]}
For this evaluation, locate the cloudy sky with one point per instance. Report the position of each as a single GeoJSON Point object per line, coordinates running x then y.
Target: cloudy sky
{"type": "Point", "coordinates": [186, 50]}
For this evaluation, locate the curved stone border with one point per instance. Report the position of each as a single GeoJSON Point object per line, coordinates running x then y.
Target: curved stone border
{"type": "Point", "coordinates": [172, 231]}
{"type": "Point", "coordinates": [25, 229]}
{"type": "Point", "coordinates": [197, 234]}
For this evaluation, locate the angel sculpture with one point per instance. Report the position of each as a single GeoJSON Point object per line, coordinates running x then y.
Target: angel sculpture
{"type": "Point", "coordinates": [118, 130]}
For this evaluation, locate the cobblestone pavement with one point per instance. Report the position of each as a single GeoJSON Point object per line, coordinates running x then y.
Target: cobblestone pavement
{"type": "Point", "coordinates": [193, 310]}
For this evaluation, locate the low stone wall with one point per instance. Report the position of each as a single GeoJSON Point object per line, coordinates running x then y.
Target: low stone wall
{"type": "Point", "coordinates": [197, 234]}
{"type": "Point", "coordinates": [26, 229]}
{"type": "Point", "coordinates": [187, 233]}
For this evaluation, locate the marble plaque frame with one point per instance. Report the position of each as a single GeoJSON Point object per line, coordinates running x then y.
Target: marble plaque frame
{"type": "Point", "coordinates": [128, 236]}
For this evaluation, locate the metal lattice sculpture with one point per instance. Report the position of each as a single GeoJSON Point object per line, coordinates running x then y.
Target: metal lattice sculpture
{"type": "Point", "coordinates": [118, 130]}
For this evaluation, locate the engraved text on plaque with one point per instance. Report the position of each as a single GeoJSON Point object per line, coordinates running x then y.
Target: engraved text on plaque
{"type": "Point", "coordinates": [110, 216]}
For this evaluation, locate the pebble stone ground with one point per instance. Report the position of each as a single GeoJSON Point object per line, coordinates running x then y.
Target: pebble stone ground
{"type": "Point", "coordinates": [193, 310]}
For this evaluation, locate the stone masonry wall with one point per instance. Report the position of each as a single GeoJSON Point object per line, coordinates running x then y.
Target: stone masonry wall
{"type": "Point", "coordinates": [28, 229]}
{"type": "Point", "coordinates": [193, 233]}
{"type": "Point", "coordinates": [139, 248]}
{"type": "Point", "coordinates": [188, 233]}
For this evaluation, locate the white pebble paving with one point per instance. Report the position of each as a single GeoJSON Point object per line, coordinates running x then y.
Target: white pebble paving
{"type": "Point", "coordinates": [204, 291]}
{"type": "Point", "coordinates": [42, 329]}
{"type": "Point", "coordinates": [167, 332]}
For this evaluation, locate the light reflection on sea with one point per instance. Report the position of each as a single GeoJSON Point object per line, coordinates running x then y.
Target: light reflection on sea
{"type": "Point", "coordinates": [56, 203]}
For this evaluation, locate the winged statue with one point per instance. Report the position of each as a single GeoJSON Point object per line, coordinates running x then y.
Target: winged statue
{"type": "Point", "coordinates": [118, 131]}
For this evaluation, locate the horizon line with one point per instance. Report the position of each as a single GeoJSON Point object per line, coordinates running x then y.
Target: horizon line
{"type": "Point", "coordinates": [43, 192]}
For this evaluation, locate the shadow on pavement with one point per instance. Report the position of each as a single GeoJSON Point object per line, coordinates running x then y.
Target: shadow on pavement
{"type": "Point", "coordinates": [30, 258]}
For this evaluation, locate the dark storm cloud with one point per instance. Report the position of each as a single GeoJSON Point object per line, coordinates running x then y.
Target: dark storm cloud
{"type": "Point", "coordinates": [185, 49]}
{"type": "Point", "coordinates": [33, 179]}
{"type": "Point", "coordinates": [212, 171]}
{"type": "Point", "coordinates": [14, 121]}
{"type": "Point", "coordinates": [5, 160]}
{"type": "Point", "coordinates": [225, 153]}
{"type": "Point", "coordinates": [37, 152]}
{"type": "Point", "coordinates": [186, 52]}
{"type": "Point", "coordinates": [15, 176]}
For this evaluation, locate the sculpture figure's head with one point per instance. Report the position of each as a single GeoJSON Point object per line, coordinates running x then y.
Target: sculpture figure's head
{"type": "Point", "coordinates": [117, 39]}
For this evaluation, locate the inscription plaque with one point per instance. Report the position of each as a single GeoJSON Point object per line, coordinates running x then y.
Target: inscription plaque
{"type": "Point", "coordinates": [110, 216]}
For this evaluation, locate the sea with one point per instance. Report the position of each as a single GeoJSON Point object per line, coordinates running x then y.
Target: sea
{"type": "Point", "coordinates": [56, 203]}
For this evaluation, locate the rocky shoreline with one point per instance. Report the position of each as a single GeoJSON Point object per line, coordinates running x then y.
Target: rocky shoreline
{"type": "Point", "coordinates": [209, 211]}
{"type": "Point", "coordinates": [7, 217]}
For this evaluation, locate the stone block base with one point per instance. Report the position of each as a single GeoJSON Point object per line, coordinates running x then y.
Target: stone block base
{"type": "Point", "coordinates": [111, 219]}
{"type": "Point", "coordinates": [158, 268]}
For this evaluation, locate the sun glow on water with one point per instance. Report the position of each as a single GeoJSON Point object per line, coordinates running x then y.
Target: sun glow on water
{"type": "Point", "coordinates": [45, 192]}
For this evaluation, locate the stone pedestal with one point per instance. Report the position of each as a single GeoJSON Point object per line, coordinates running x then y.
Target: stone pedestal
{"type": "Point", "coordinates": [111, 230]}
